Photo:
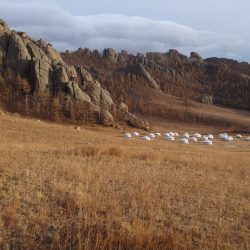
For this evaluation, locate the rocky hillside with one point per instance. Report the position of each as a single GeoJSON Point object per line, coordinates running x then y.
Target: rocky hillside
{"type": "Point", "coordinates": [216, 81]}
{"type": "Point", "coordinates": [34, 79]}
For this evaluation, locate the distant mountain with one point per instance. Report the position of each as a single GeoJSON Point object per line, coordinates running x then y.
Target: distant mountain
{"type": "Point", "coordinates": [35, 80]}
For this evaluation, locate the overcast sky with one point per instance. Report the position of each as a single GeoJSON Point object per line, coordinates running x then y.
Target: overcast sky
{"type": "Point", "coordinates": [211, 27]}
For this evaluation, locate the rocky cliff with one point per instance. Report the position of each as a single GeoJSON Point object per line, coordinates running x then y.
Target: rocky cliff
{"type": "Point", "coordinates": [46, 72]}
{"type": "Point", "coordinates": [212, 81]}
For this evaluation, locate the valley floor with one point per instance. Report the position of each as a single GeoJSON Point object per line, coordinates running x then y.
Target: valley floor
{"type": "Point", "coordinates": [93, 189]}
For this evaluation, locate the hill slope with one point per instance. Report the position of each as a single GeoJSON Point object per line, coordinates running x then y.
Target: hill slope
{"type": "Point", "coordinates": [93, 189]}
{"type": "Point", "coordinates": [219, 81]}
{"type": "Point", "coordinates": [172, 86]}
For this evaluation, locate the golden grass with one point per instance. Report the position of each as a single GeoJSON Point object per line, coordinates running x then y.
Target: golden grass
{"type": "Point", "coordinates": [67, 189]}
{"type": "Point", "coordinates": [184, 110]}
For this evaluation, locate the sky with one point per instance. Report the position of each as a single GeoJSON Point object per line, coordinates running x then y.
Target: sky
{"type": "Point", "coordinates": [210, 27]}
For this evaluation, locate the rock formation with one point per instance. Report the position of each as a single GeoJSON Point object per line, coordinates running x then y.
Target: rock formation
{"type": "Point", "coordinates": [45, 69]}
{"type": "Point", "coordinates": [151, 82]}
{"type": "Point", "coordinates": [195, 58]}
{"type": "Point", "coordinates": [126, 76]}
{"type": "Point", "coordinates": [110, 54]}
{"type": "Point", "coordinates": [207, 99]}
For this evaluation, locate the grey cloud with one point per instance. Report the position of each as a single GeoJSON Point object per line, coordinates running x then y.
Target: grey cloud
{"type": "Point", "coordinates": [135, 34]}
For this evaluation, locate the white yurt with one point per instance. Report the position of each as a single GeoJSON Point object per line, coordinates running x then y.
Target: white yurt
{"type": "Point", "coordinates": [204, 138]}
{"type": "Point", "coordinates": [146, 138]}
{"type": "Point", "coordinates": [193, 139]}
{"type": "Point", "coordinates": [185, 135]}
{"type": "Point", "coordinates": [207, 142]}
{"type": "Point", "coordinates": [170, 138]}
{"type": "Point", "coordinates": [127, 135]}
{"type": "Point", "coordinates": [184, 141]}
{"type": "Point", "coordinates": [210, 136]}
{"type": "Point", "coordinates": [135, 134]}
{"type": "Point", "coordinates": [196, 135]}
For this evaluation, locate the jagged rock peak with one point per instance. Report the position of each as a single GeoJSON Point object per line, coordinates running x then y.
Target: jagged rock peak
{"type": "Point", "coordinates": [124, 53]}
{"type": "Point", "coordinates": [3, 25]}
{"type": "Point", "coordinates": [196, 55]}
{"type": "Point", "coordinates": [195, 59]}
{"type": "Point", "coordinates": [17, 54]}
{"type": "Point", "coordinates": [173, 52]}
{"type": "Point", "coordinates": [23, 35]}
{"type": "Point", "coordinates": [110, 54]}
{"type": "Point", "coordinates": [52, 54]}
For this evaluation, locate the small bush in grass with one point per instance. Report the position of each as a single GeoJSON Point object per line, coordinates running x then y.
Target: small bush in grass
{"type": "Point", "coordinates": [85, 151]}
{"type": "Point", "coordinates": [92, 151]}
{"type": "Point", "coordinates": [114, 151]}
{"type": "Point", "coordinates": [148, 156]}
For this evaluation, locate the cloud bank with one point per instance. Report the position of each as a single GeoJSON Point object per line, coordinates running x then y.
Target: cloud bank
{"type": "Point", "coordinates": [135, 34]}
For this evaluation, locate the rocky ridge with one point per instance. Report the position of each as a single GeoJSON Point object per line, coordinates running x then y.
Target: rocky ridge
{"type": "Point", "coordinates": [225, 82]}
{"type": "Point", "coordinates": [45, 69]}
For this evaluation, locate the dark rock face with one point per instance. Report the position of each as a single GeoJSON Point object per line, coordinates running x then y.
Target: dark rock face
{"type": "Point", "coordinates": [4, 38]}
{"type": "Point", "coordinates": [110, 54]}
{"type": "Point", "coordinates": [195, 59]}
{"type": "Point", "coordinates": [141, 58]}
{"type": "Point", "coordinates": [173, 52]}
{"type": "Point", "coordinates": [18, 57]}
{"type": "Point", "coordinates": [39, 62]}
{"type": "Point", "coordinates": [195, 55]}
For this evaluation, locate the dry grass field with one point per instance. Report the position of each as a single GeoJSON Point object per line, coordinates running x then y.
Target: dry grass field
{"type": "Point", "coordinates": [93, 189]}
{"type": "Point", "coordinates": [205, 114]}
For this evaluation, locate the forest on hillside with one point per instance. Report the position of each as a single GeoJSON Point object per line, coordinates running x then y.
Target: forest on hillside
{"type": "Point", "coordinates": [226, 82]}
